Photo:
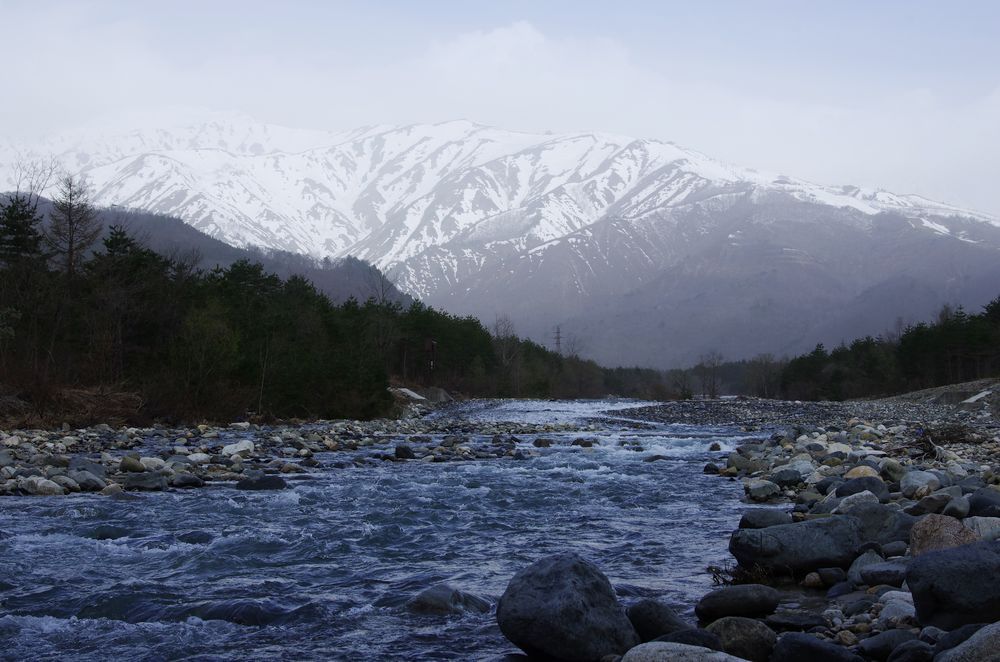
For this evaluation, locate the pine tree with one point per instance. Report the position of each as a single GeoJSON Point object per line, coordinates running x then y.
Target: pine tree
{"type": "Point", "coordinates": [19, 235]}
{"type": "Point", "coordinates": [74, 225]}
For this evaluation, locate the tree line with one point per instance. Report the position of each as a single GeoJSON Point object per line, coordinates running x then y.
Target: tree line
{"type": "Point", "coordinates": [956, 347]}
{"type": "Point", "coordinates": [112, 315]}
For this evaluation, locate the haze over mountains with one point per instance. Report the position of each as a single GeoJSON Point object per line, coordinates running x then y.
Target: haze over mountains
{"type": "Point", "coordinates": [647, 253]}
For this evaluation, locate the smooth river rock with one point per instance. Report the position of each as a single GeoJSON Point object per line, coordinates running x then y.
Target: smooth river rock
{"type": "Point", "coordinates": [957, 586]}
{"type": "Point", "coordinates": [799, 547]}
{"type": "Point", "coordinates": [446, 599]}
{"type": "Point", "coordinates": [800, 647]}
{"type": "Point", "coordinates": [739, 600]}
{"type": "Point", "coordinates": [983, 645]}
{"type": "Point", "coordinates": [744, 637]}
{"type": "Point", "coordinates": [653, 619]}
{"type": "Point", "coordinates": [564, 607]}
{"type": "Point", "coordinates": [662, 651]}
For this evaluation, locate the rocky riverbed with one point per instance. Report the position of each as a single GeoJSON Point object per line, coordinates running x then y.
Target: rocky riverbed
{"type": "Point", "coordinates": [876, 539]}
{"type": "Point", "coordinates": [862, 531]}
{"type": "Point", "coordinates": [110, 461]}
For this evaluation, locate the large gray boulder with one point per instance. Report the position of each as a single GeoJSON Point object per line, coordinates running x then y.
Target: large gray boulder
{"type": "Point", "coordinates": [798, 646]}
{"type": "Point", "coordinates": [869, 558]}
{"type": "Point", "coordinates": [565, 608]}
{"type": "Point", "coordinates": [740, 600]}
{"type": "Point", "coordinates": [446, 599]}
{"type": "Point", "coordinates": [866, 483]}
{"type": "Point", "coordinates": [985, 502]}
{"type": "Point", "coordinates": [918, 481]}
{"type": "Point", "coordinates": [744, 637]}
{"type": "Point", "coordinates": [883, 524]}
{"type": "Point", "coordinates": [798, 547]}
{"type": "Point", "coordinates": [957, 586]}
{"type": "Point", "coordinates": [983, 645]}
{"type": "Point", "coordinates": [653, 619]}
{"type": "Point", "coordinates": [661, 651]}
{"type": "Point", "coordinates": [761, 518]}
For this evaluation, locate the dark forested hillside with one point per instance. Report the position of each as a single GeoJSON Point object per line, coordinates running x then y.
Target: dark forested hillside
{"type": "Point", "coordinates": [188, 330]}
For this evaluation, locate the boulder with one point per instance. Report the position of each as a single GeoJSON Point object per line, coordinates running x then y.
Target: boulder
{"type": "Point", "coordinates": [258, 480]}
{"type": "Point", "coordinates": [882, 524]}
{"type": "Point", "coordinates": [243, 447]}
{"type": "Point", "coordinates": [861, 471]}
{"type": "Point", "coordinates": [131, 464]}
{"type": "Point", "coordinates": [145, 481]}
{"type": "Point", "coordinates": [404, 452]}
{"type": "Point", "coordinates": [939, 532]}
{"type": "Point", "coordinates": [563, 606]}
{"type": "Point", "coordinates": [869, 558]}
{"type": "Point", "coordinates": [985, 502]}
{"type": "Point", "coordinates": [693, 637]}
{"type": "Point", "coordinates": [87, 481]}
{"type": "Point", "coordinates": [799, 547]}
{"type": "Point", "coordinates": [152, 463]}
{"type": "Point", "coordinates": [957, 586]}
{"type": "Point", "coordinates": [948, 640]}
{"type": "Point", "coordinates": [761, 518]}
{"type": "Point", "coordinates": [662, 651]}
{"type": "Point", "coordinates": [79, 463]}
{"type": "Point", "coordinates": [983, 645]}
{"type": "Point", "coordinates": [880, 646]}
{"type": "Point", "coordinates": [796, 621]}
{"type": "Point", "coordinates": [987, 528]}
{"type": "Point", "coordinates": [798, 646]}
{"type": "Point", "coordinates": [184, 479]}
{"type": "Point", "coordinates": [652, 619]}
{"type": "Point", "coordinates": [785, 477]}
{"type": "Point", "coordinates": [66, 483]}
{"type": "Point", "coordinates": [849, 503]}
{"type": "Point", "coordinates": [744, 637]}
{"type": "Point", "coordinates": [914, 481]}
{"type": "Point", "coordinates": [892, 470]}
{"type": "Point", "coordinates": [446, 599]}
{"type": "Point", "coordinates": [957, 507]}
{"type": "Point", "coordinates": [912, 651]}
{"type": "Point", "coordinates": [38, 486]}
{"type": "Point", "coordinates": [890, 573]}
{"type": "Point", "coordinates": [761, 490]}
{"type": "Point", "coordinates": [872, 484]}
{"type": "Point", "coordinates": [738, 600]}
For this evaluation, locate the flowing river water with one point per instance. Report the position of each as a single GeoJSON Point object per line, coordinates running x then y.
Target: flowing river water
{"type": "Point", "coordinates": [324, 570]}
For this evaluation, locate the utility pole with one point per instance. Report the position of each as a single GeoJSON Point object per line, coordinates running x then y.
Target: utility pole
{"type": "Point", "coordinates": [558, 341]}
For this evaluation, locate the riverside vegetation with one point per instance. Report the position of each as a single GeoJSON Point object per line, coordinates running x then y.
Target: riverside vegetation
{"type": "Point", "coordinates": [91, 332]}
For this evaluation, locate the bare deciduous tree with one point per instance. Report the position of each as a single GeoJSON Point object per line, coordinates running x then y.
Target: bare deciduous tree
{"type": "Point", "coordinates": [74, 225]}
{"type": "Point", "coordinates": [708, 370]}
{"type": "Point", "coordinates": [507, 347]}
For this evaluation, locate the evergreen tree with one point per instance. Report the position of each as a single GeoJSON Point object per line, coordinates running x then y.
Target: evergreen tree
{"type": "Point", "coordinates": [20, 238]}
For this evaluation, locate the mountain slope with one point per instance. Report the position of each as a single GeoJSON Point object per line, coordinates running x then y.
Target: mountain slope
{"type": "Point", "coordinates": [557, 228]}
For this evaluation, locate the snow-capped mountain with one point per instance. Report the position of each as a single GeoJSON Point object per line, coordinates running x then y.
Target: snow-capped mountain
{"type": "Point", "coordinates": [549, 228]}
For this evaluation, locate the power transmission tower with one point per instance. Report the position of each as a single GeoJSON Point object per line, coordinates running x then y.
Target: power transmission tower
{"type": "Point", "coordinates": [558, 341]}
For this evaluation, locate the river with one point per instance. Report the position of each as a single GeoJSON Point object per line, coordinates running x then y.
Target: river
{"type": "Point", "coordinates": [324, 570]}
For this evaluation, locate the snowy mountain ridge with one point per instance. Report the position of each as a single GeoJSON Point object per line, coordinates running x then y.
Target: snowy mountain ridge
{"type": "Point", "coordinates": [610, 236]}
{"type": "Point", "coordinates": [386, 194]}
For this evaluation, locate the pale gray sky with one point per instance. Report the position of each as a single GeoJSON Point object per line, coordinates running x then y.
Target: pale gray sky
{"type": "Point", "coordinates": [899, 94]}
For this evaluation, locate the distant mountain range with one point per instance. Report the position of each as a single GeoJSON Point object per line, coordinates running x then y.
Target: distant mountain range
{"type": "Point", "coordinates": [644, 252]}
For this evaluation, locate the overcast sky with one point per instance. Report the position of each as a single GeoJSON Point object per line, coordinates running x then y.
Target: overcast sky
{"type": "Point", "coordinates": [903, 95]}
